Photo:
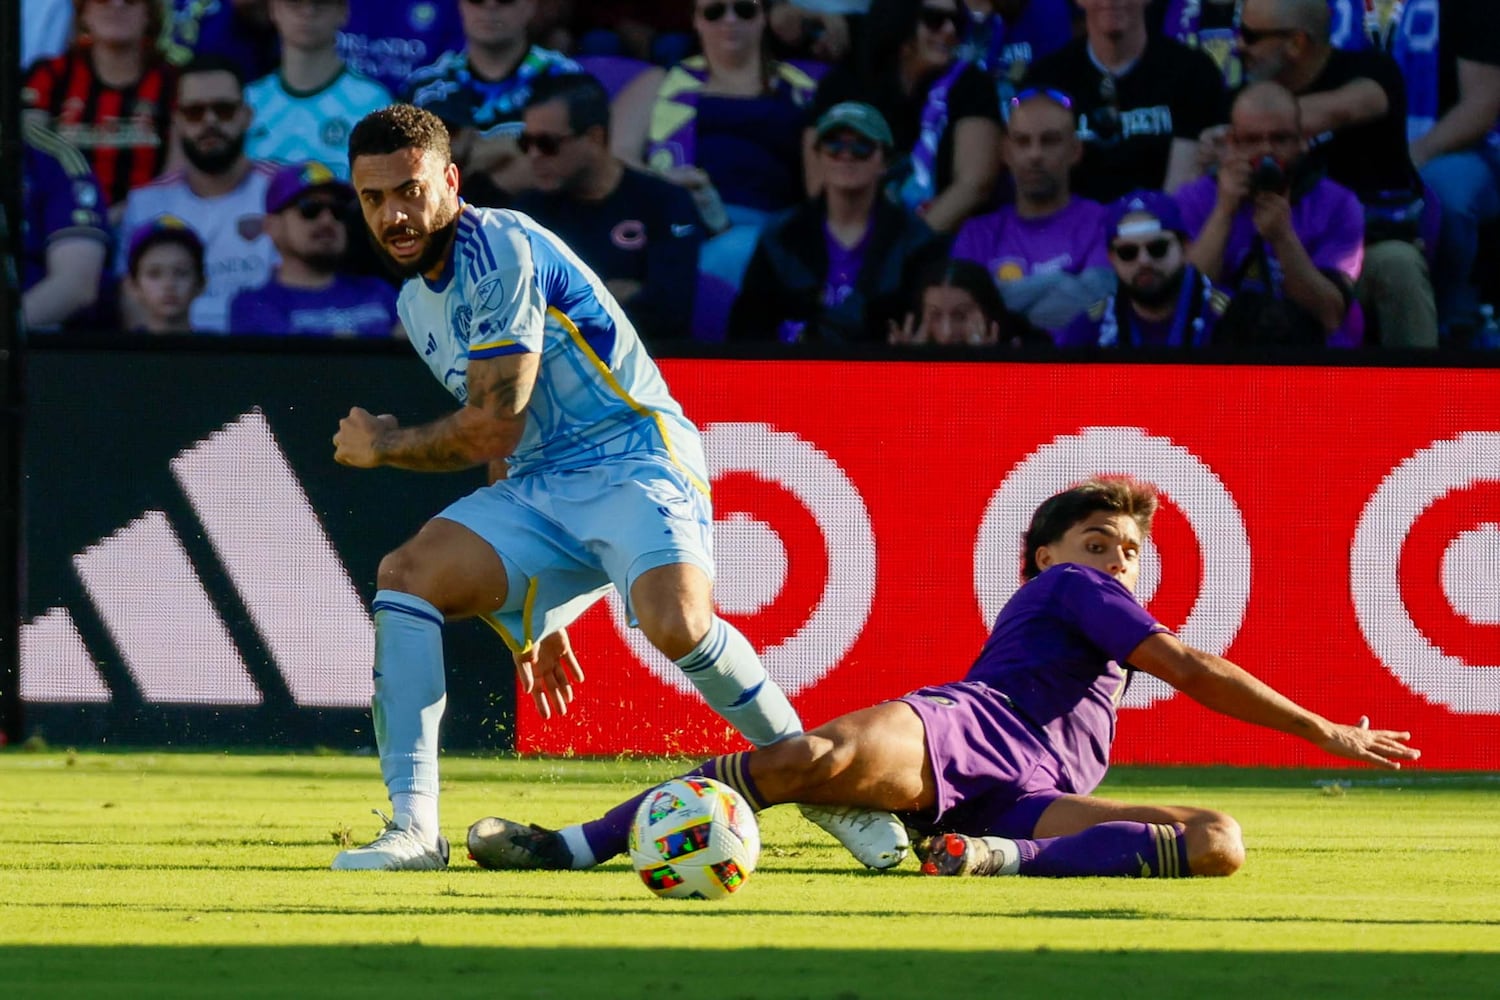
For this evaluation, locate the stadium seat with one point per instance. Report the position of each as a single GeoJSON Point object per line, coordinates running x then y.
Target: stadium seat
{"type": "Point", "coordinates": [615, 72]}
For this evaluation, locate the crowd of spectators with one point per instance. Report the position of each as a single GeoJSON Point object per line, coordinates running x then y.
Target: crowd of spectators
{"type": "Point", "coordinates": [950, 173]}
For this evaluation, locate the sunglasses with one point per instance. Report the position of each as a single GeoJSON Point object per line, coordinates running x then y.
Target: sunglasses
{"type": "Point", "coordinates": [1156, 249]}
{"type": "Point", "coordinates": [1251, 36]}
{"type": "Point", "coordinates": [744, 10]}
{"type": "Point", "coordinates": [543, 142]}
{"type": "Point", "coordinates": [1047, 92]}
{"type": "Point", "coordinates": [933, 18]}
{"type": "Point", "coordinates": [856, 148]}
{"type": "Point", "coordinates": [312, 209]}
{"type": "Point", "coordinates": [222, 110]}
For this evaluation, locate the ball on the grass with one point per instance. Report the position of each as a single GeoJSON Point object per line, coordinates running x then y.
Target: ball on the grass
{"type": "Point", "coordinates": [694, 838]}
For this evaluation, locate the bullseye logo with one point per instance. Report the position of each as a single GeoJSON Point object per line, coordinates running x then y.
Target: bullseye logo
{"type": "Point", "coordinates": [1423, 573]}
{"type": "Point", "coordinates": [795, 555]}
{"type": "Point", "coordinates": [1192, 492]}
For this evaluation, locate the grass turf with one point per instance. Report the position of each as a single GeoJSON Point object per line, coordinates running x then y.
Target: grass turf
{"type": "Point", "coordinates": [167, 875]}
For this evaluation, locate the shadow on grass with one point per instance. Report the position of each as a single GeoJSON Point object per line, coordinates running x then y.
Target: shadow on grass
{"type": "Point", "coordinates": [515, 970]}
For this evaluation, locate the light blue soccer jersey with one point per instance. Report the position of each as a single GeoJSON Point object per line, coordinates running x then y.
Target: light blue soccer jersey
{"type": "Point", "coordinates": [291, 126]}
{"type": "Point", "coordinates": [512, 287]}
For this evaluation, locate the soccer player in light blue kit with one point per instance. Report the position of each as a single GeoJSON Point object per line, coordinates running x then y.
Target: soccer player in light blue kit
{"type": "Point", "coordinates": [598, 480]}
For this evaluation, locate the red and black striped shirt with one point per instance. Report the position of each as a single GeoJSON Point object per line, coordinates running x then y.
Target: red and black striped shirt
{"type": "Point", "coordinates": [123, 131]}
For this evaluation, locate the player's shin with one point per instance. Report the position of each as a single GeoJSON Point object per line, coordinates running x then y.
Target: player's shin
{"type": "Point", "coordinates": [1120, 848]}
{"type": "Point", "coordinates": [727, 672]}
{"type": "Point", "coordinates": [408, 706]}
{"type": "Point", "coordinates": [601, 839]}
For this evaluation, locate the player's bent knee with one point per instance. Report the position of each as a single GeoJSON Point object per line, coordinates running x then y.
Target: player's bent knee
{"type": "Point", "coordinates": [793, 766]}
{"type": "Point", "coordinates": [1215, 845]}
{"type": "Point", "coordinates": [398, 571]}
{"type": "Point", "coordinates": [676, 631]}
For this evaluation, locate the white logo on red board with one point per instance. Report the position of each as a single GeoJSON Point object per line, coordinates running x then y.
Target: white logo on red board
{"type": "Point", "coordinates": [795, 553]}
{"type": "Point", "coordinates": [1190, 490]}
{"type": "Point", "coordinates": [1423, 573]}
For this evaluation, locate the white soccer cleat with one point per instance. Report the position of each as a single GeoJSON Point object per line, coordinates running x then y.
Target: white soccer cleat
{"type": "Point", "coordinates": [877, 839]}
{"type": "Point", "coordinates": [396, 849]}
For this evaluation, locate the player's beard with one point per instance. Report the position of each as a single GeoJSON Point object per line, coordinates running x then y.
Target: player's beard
{"type": "Point", "coordinates": [1160, 295]}
{"type": "Point", "coordinates": [438, 241]}
{"type": "Point", "coordinates": [215, 161]}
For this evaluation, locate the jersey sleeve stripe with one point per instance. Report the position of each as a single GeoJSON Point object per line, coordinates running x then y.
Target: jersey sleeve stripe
{"type": "Point", "coordinates": [496, 349]}
{"type": "Point", "coordinates": [619, 390]}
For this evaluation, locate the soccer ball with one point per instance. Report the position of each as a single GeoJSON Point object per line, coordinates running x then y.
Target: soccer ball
{"type": "Point", "coordinates": [694, 838]}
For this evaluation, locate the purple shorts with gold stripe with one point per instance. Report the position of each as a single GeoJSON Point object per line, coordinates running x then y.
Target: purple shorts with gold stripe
{"type": "Point", "coordinates": [995, 776]}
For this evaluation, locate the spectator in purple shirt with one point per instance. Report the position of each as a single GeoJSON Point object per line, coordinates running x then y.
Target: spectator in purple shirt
{"type": "Point", "coordinates": [1286, 243]}
{"type": "Point", "coordinates": [307, 295]}
{"type": "Point", "coordinates": [1047, 250]}
{"type": "Point", "coordinates": [1160, 300]}
{"type": "Point", "coordinates": [64, 235]}
{"type": "Point", "coordinates": [997, 769]}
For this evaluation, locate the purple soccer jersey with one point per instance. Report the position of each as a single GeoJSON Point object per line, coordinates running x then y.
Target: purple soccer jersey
{"type": "Point", "coordinates": [844, 264]}
{"type": "Point", "coordinates": [1010, 247]}
{"type": "Point", "coordinates": [353, 306]}
{"type": "Point", "coordinates": [1055, 652]}
{"type": "Point", "coordinates": [60, 198]}
{"type": "Point", "coordinates": [1328, 219]}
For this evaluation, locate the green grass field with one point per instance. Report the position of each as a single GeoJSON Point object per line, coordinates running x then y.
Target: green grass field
{"type": "Point", "coordinates": [168, 875]}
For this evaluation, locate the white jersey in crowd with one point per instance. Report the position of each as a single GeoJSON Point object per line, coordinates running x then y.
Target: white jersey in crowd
{"type": "Point", "coordinates": [512, 287]}
{"type": "Point", "coordinates": [236, 251]}
{"type": "Point", "coordinates": [291, 126]}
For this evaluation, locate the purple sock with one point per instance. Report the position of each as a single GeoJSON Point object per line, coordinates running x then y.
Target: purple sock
{"type": "Point", "coordinates": [609, 834]}
{"type": "Point", "coordinates": [1121, 848]}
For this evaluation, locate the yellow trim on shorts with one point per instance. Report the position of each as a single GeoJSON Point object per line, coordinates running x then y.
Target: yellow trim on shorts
{"type": "Point", "coordinates": [619, 390]}
{"type": "Point", "coordinates": [527, 609]}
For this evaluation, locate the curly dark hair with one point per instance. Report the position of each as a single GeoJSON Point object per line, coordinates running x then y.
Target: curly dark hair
{"type": "Point", "coordinates": [1115, 494]}
{"type": "Point", "coordinates": [398, 127]}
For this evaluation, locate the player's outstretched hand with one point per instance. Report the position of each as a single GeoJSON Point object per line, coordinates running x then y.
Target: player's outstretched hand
{"type": "Point", "coordinates": [1385, 747]}
{"type": "Point", "coordinates": [355, 443]}
{"type": "Point", "coordinates": [547, 672]}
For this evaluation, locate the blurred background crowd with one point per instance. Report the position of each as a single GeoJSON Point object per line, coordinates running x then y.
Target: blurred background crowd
{"type": "Point", "coordinates": [955, 173]}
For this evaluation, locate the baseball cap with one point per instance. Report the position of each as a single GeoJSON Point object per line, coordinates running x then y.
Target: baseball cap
{"type": "Point", "coordinates": [1160, 206]}
{"type": "Point", "coordinates": [857, 117]}
{"type": "Point", "coordinates": [289, 183]}
{"type": "Point", "coordinates": [162, 229]}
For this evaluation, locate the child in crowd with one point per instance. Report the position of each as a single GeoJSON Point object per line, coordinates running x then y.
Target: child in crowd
{"type": "Point", "coordinates": [165, 273]}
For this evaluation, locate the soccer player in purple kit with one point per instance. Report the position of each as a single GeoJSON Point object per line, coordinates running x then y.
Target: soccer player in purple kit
{"type": "Point", "coordinates": [996, 770]}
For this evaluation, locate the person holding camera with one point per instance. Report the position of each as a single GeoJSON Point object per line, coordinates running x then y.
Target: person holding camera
{"type": "Point", "coordinates": [1353, 107]}
{"type": "Point", "coordinates": [1142, 101]}
{"type": "Point", "coordinates": [1285, 242]}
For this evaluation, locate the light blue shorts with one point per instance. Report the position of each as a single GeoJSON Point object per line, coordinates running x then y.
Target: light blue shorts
{"type": "Point", "coordinates": [566, 537]}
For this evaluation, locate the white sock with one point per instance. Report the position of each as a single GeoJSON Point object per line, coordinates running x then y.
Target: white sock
{"type": "Point", "coordinates": [419, 811]}
{"type": "Point", "coordinates": [578, 846]}
{"type": "Point", "coordinates": [1007, 849]}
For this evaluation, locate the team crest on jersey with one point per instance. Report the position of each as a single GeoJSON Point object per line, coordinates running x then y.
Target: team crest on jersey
{"type": "Point", "coordinates": [463, 318]}
{"type": "Point", "coordinates": [422, 15]}
{"type": "Point", "coordinates": [1010, 269]}
{"type": "Point", "coordinates": [84, 194]}
{"type": "Point", "coordinates": [249, 227]}
{"type": "Point", "coordinates": [335, 132]}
